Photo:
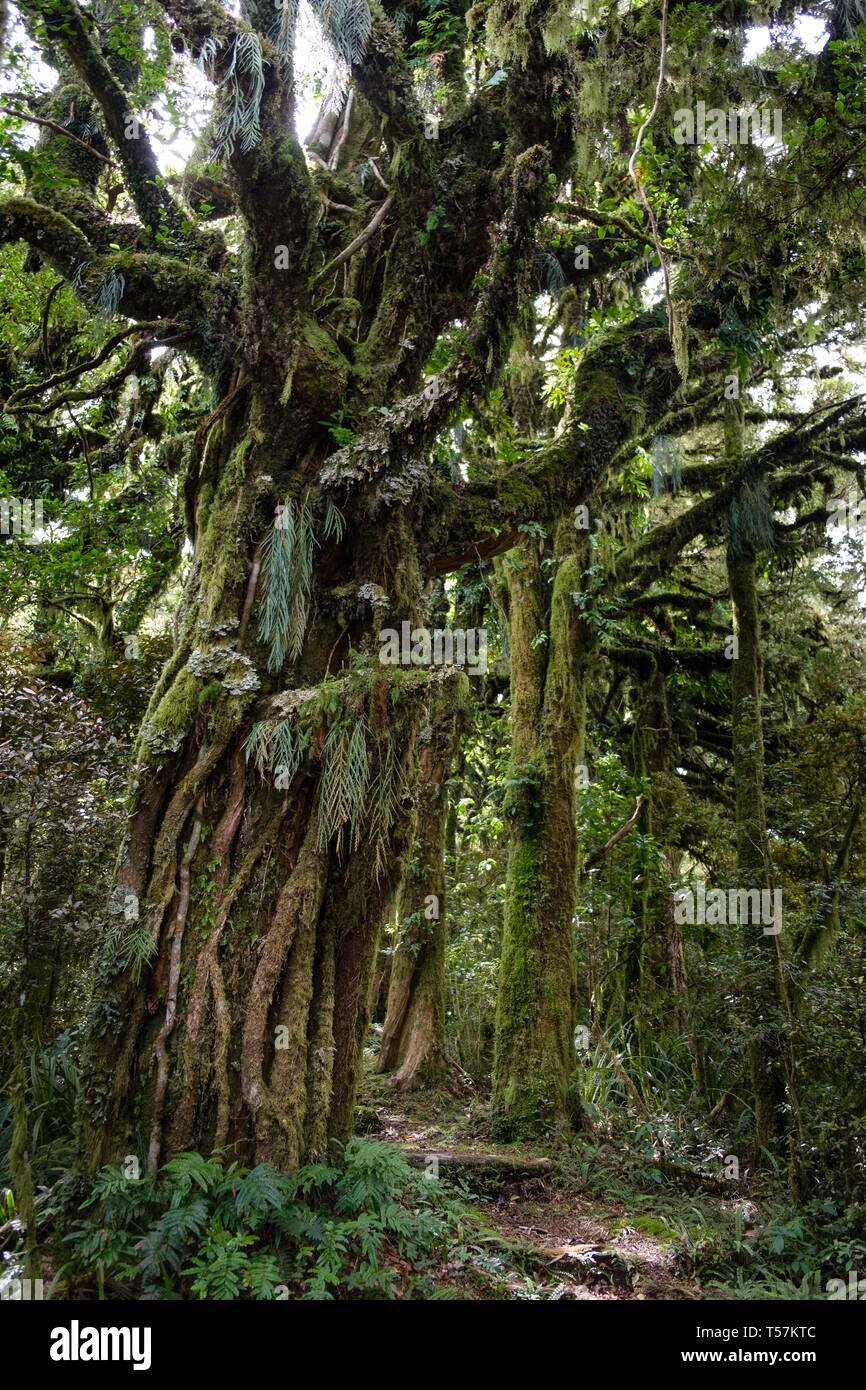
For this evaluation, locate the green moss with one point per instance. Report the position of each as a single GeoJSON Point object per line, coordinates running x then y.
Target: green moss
{"type": "Point", "coordinates": [212, 691]}
{"type": "Point", "coordinates": [649, 1225]}
{"type": "Point", "coordinates": [166, 729]}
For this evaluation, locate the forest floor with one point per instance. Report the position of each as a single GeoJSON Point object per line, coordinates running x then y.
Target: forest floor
{"type": "Point", "coordinates": [547, 1234]}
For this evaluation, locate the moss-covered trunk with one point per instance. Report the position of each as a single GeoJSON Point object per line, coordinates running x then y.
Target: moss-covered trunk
{"type": "Point", "coordinates": [413, 1036]}
{"type": "Point", "coordinates": [754, 869]}
{"type": "Point", "coordinates": [534, 1051]}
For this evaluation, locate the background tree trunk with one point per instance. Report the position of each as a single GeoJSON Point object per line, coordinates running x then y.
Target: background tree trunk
{"type": "Point", "coordinates": [534, 1051]}
{"type": "Point", "coordinates": [754, 870]}
{"type": "Point", "coordinates": [413, 1037]}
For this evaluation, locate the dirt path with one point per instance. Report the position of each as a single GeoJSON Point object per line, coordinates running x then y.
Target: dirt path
{"type": "Point", "coordinates": [559, 1242]}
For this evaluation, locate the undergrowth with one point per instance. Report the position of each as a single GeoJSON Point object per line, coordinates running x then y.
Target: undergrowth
{"type": "Point", "coordinates": [754, 1243]}
{"type": "Point", "coordinates": [364, 1224]}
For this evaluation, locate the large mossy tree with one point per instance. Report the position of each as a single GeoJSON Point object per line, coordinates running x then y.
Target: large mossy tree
{"type": "Point", "coordinates": [343, 306]}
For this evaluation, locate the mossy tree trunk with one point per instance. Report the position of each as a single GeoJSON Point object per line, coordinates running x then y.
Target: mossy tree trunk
{"type": "Point", "coordinates": [534, 1050]}
{"type": "Point", "coordinates": [661, 984]}
{"type": "Point", "coordinates": [252, 896]}
{"type": "Point", "coordinates": [413, 1036]}
{"type": "Point", "coordinates": [763, 983]}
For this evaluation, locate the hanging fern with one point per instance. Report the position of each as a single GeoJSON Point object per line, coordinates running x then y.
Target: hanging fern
{"type": "Point", "coordinates": [346, 25]}
{"type": "Point", "coordinates": [286, 576]}
{"type": "Point", "coordinates": [283, 30]}
{"type": "Point", "coordinates": [256, 746]}
{"type": "Point", "coordinates": [550, 273]}
{"type": "Point", "coordinates": [209, 50]}
{"type": "Point", "coordinates": [850, 14]}
{"type": "Point", "coordinates": [276, 745]}
{"type": "Point", "coordinates": [342, 793]}
{"type": "Point", "coordinates": [245, 83]}
{"type": "Point", "coordinates": [384, 799]}
{"type": "Point", "coordinates": [667, 468]}
{"type": "Point", "coordinates": [286, 751]}
{"type": "Point", "coordinates": [108, 301]}
{"type": "Point", "coordinates": [335, 522]}
{"type": "Point", "coordinates": [357, 777]}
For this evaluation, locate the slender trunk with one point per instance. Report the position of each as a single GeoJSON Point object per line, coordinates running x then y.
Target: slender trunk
{"type": "Point", "coordinates": [754, 870]}
{"type": "Point", "coordinates": [534, 1051]}
{"type": "Point", "coordinates": [817, 938]}
{"type": "Point", "coordinates": [381, 980]}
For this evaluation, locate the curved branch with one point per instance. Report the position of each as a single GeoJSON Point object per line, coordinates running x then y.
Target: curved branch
{"type": "Point", "coordinates": [37, 387]}
{"type": "Point", "coordinates": [66, 25]}
{"type": "Point", "coordinates": [360, 240]}
{"type": "Point", "coordinates": [152, 282]}
{"type": "Point", "coordinates": [58, 130]}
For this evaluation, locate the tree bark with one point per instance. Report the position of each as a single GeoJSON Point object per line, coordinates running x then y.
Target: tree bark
{"type": "Point", "coordinates": [534, 1050]}
{"type": "Point", "coordinates": [413, 1036]}
{"type": "Point", "coordinates": [754, 870]}
{"type": "Point", "coordinates": [256, 930]}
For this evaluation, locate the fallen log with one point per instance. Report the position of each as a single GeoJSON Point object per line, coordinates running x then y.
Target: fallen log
{"type": "Point", "coordinates": [491, 1164]}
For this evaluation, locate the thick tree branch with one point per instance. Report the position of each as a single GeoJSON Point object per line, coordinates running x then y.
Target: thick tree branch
{"type": "Point", "coordinates": [152, 283]}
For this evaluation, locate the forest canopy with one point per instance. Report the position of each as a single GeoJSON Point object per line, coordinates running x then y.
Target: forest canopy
{"type": "Point", "coordinates": [432, 700]}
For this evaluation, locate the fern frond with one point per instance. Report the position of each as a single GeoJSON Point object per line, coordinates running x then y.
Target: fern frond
{"type": "Point", "coordinates": [384, 798]}
{"type": "Point", "coordinates": [552, 274]}
{"type": "Point", "coordinates": [283, 30]}
{"type": "Point", "coordinates": [276, 591]}
{"type": "Point", "coordinates": [345, 775]}
{"type": "Point", "coordinates": [286, 579]}
{"type": "Point", "coordinates": [285, 752]}
{"type": "Point", "coordinates": [335, 522]}
{"type": "Point", "coordinates": [245, 83]}
{"type": "Point", "coordinates": [357, 776]}
{"type": "Point", "coordinates": [108, 301]}
{"type": "Point", "coordinates": [331, 803]}
{"type": "Point", "coordinates": [257, 743]}
{"type": "Point", "coordinates": [209, 50]}
{"type": "Point", "coordinates": [346, 26]}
